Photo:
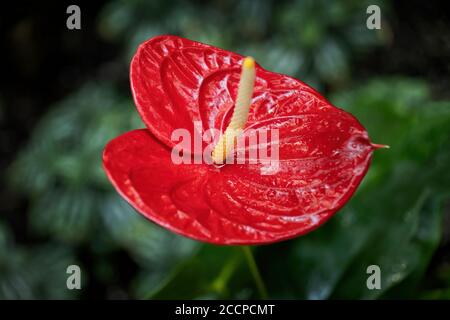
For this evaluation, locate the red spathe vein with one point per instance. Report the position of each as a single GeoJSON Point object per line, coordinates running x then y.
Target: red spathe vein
{"type": "Point", "coordinates": [324, 151]}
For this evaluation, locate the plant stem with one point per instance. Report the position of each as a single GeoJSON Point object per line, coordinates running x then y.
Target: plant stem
{"type": "Point", "coordinates": [255, 272]}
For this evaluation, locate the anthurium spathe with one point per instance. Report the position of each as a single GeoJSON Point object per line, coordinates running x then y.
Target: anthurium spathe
{"type": "Point", "coordinates": [324, 152]}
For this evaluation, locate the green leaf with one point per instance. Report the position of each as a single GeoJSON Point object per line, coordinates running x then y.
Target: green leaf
{"type": "Point", "coordinates": [37, 272]}
{"type": "Point", "coordinates": [211, 273]}
{"type": "Point", "coordinates": [61, 167]}
{"type": "Point", "coordinates": [402, 248]}
{"type": "Point", "coordinates": [394, 219]}
{"type": "Point", "coordinates": [157, 250]}
{"type": "Point", "coordinates": [331, 62]}
{"type": "Point", "coordinates": [70, 215]}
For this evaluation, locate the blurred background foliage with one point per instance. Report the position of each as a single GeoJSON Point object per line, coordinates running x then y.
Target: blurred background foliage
{"type": "Point", "coordinates": [61, 210]}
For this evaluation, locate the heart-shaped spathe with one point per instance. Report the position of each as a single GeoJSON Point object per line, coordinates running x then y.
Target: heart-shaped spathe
{"type": "Point", "coordinates": [324, 152]}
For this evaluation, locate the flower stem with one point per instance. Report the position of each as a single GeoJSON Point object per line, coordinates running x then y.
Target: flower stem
{"type": "Point", "coordinates": [255, 272]}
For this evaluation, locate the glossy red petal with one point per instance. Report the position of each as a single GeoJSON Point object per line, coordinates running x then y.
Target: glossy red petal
{"type": "Point", "coordinates": [142, 171]}
{"type": "Point", "coordinates": [168, 76]}
{"type": "Point", "coordinates": [235, 204]}
{"type": "Point", "coordinates": [322, 162]}
{"type": "Point", "coordinates": [176, 81]}
{"type": "Point", "coordinates": [324, 152]}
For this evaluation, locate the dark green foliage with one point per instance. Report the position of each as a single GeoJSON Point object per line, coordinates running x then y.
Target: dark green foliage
{"type": "Point", "coordinates": [314, 40]}
{"type": "Point", "coordinates": [394, 220]}
{"type": "Point", "coordinates": [37, 272]}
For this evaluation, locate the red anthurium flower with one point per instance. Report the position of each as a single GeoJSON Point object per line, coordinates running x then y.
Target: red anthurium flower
{"type": "Point", "coordinates": [324, 152]}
